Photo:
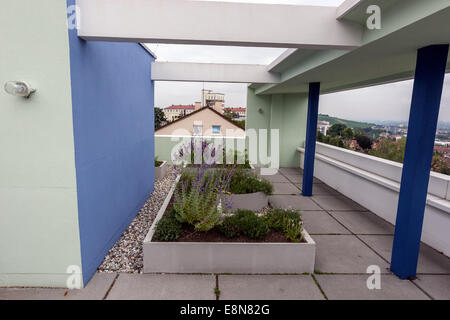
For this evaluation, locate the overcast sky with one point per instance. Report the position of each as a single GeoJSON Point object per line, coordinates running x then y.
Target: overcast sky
{"type": "Point", "coordinates": [386, 102]}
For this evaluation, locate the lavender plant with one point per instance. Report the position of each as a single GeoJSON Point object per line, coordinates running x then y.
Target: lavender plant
{"type": "Point", "coordinates": [200, 198]}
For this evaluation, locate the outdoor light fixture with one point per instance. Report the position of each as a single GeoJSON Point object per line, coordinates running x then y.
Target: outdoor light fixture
{"type": "Point", "coordinates": [19, 88]}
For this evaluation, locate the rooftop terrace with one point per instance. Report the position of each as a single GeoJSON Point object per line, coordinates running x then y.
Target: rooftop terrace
{"type": "Point", "coordinates": [349, 239]}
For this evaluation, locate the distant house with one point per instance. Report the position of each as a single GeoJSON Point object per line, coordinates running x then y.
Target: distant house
{"type": "Point", "coordinates": [177, 111]}
{"type": "Point", "coordinates": [241, 112]}
{"type": "Point", "coordinates": [323, 126]}
{"type": "Point", "coordinates": [202, 122]}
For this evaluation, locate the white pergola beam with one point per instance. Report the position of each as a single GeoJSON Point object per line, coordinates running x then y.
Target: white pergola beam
{"type": "Point", "coordinates": [216, 23]}
{"type": "Point", "coordinates": [212, 72]}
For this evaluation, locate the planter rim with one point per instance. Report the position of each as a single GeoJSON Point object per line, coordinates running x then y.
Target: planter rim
{"type": "Point", "coordinates": [162, 164]}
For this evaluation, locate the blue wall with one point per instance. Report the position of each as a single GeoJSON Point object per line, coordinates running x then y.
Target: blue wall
{"type": "Point", "coordinates": [112, 97]}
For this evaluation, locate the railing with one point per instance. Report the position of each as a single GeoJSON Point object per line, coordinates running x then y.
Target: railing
{"type": "Point", "coordinates": [375, 184]}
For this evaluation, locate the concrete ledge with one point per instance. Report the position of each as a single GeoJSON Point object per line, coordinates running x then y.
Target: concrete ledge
{"type": "Point", "coordinates": [374, 184]}
{"type": "Point", "coordinates": [161, 171]}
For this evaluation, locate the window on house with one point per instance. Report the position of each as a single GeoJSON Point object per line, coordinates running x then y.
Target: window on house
{"type": "Point", "coordinates": [216, 129]}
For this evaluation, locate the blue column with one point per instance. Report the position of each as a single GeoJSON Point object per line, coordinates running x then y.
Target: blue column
{"type": "Point", "coordinates": [310, 143]}
{"type": "Point", "coordinates": [428, 82]}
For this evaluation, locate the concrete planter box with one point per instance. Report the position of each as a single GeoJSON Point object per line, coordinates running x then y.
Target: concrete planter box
{"type": "Point", "coordinates": [249, 201]}
{"type": "Point", "coordinates": [222, 257]}
{"type": "Point", "coordinates": [161, 171]}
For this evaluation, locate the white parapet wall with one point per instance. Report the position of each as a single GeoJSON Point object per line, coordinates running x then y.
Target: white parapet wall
{"type": "Point", "coordinates": [375, 184]}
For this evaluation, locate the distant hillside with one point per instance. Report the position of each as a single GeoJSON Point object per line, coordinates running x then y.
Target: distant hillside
{"type": "Point", "coordinates": [348, 123]}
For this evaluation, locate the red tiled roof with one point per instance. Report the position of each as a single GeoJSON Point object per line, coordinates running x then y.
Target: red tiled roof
{"type": "Point", "coordinates": [181, 107]}
{"type": "Point", "coordinates": [236, 109]}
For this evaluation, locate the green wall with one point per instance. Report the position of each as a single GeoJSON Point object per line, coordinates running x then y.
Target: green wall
{"type": "Point", "coordinates": [285, 112]}
{"type": "Point", "coordinates": [39, 235]}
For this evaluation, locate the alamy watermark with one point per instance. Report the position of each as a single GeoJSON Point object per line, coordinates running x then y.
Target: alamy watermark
{"type": "Point", "coordinates": [74, 280]}
{"type": "Point", "coordinates": [374, 280]}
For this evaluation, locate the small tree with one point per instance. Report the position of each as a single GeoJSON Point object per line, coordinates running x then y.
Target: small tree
{"type": "Point", "coordinates": [160, 118]}
{"type": "Point", "coordinates": [347, 134]}
{"type": "Point", "coordinates": [364, 142]}
{"type": "Point", "coordinates": [336, 130]}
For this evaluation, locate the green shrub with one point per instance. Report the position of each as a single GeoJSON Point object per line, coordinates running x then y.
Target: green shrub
{"type": "Point", "coordinates": [199, 199]}
{"type": "Point", "coordinates": [244, 222]}
{"type": "Point", "coordinates": [245, 181]}
{"type": "Point", "coordinates": [157, 162]}
{"type": "Point", "coordinates": [286, 221]}
{"type": "Point", "coordinates": [168, 228]}
{"type": "Point", "coordinates": [230, 227]}
{"type": "Point", "coordinates": [275, 218]}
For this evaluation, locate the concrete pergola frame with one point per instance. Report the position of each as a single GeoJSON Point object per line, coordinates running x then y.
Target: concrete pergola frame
{"type": "Point", "coordinates": [332, 51]}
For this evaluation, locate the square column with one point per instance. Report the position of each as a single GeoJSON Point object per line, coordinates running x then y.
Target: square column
{"type": "Point", "coordinates": [428, 82]}
{"type": "Point", "coordinates": [310, 143]}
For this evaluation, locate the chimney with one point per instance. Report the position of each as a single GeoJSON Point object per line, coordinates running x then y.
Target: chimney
{"type": "Point", "coordinates": [198, 105]}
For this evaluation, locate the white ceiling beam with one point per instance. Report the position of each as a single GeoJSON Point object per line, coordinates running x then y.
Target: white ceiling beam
{"type": "Point", "coordinates": [212, 72]}
{"type": "Point", "coordinates": [346, 7]}
{"type": "Point", "coordinates": [216, 23]}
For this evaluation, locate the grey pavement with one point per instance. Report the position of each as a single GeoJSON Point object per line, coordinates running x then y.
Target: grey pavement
{"type": "Point", "coordinates": [349, 239]}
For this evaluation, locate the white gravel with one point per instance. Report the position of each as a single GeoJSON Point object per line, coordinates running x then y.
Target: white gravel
{"type": "Point", "coordinates": [126, 254]}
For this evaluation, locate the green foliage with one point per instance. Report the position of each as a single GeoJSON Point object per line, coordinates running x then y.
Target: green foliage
{"type": "Point", "coordinates": [244, 222]}
{"type": "Point", "coordinates": [348, 123]}
{"type": "Point", "coordinates": [245, 181]}
{"type": "Point", "coordinates": [168, 228]}
{"type": "Point", "coordinates": [287, 221]}
{"type": "Point", "coordinates": [364, 142]}
{"type": "Point", "coordinates": [157, 162]}
{"type": "Point", "coordinates": [199, 198]}
{"type": "Point", "coordinates": [347, 134]}
{"type": "Point", "coordinates": [390, 150]}
{"type": "Point", "coordinates": [160, 118]}
{"type": "Point", "coordinates": [336, 130]}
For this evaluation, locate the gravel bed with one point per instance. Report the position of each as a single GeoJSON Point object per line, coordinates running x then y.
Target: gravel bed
{"type": "Point", "coordinates": [126, 255]}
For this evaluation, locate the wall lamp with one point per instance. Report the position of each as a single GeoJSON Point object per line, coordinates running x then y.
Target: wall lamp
{"type": "Point", "coordinates": [19, 88]}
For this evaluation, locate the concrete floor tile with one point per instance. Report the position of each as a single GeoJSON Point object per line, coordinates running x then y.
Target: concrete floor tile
{"type": "Point", "coordinates": [291, 171]}
{"type": "Point", "coordinates": [345, 254]}
{"type": "Point", "coordinates": [297, 202]}
{"type": "Point", "coordinates": [268, 287]}
{"type": "Point", "coordinates": [360, 222]}
{"type": "Point", "coordinates": [320, 222]}
{"type": "Point", "coordinates": [95, 290]}
{"type": "Point", "coordinates": [285, 188]}
{"type": "Point", "coordinates": [437, 286]}
{"type": "Point", "coordinates": [275, 178]}
{"type": "Point", "coordinates": [430, 260]}
{"type": "Point", "coordinates": [163, 287]}
{"type": "Point", "coordinates": [354, 287]}
{"type": "Point", "coordinates": [295, 178]}
{"type": "Point", "coordinates": [337, 203]}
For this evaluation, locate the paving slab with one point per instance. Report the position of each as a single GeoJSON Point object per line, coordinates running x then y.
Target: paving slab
{"type": "Point", "coordinates": [297, 202]}
{"type": "Point", "coordinates": [268, 287]}
{"type": "Point", "coordinates": [320, 222]}
{"type": "Point", "coordinates": [163, 287]}
{"type": "Point", "coordinates": [295, 178]}
{"type": "Point", "coordinates": [363, 222]}
{"type": "Point", "coordinates": [291, 171]}
{"type": "Point", "coordinates": [430, 260]}
{"type": "Point", "coordinates": [337, 203]}
{"type": "Point", "coordinates": [95, 290]}
{"type": "Point", "coordinates": [354, 287]}
{"type": "Point", "coordinates": [437, 286]}
{"type": "Point", "coordinates": [345, 254]}
{"type": "Point", "coordinates": [275, 178]}
{"type": "Point", "coordinates": [285, 188]}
